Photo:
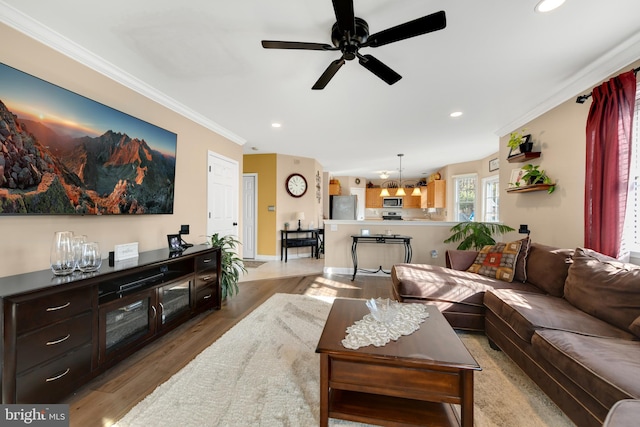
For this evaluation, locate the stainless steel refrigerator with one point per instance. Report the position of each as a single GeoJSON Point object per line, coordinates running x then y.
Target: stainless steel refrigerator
{"type": "Point", "coordinates": [343, 207]}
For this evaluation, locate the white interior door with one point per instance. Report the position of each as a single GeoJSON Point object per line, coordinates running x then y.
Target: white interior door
{"type": "Point", "coordinates": [222, 195]}
{"type": "Point", "coordinates": [249, 215]}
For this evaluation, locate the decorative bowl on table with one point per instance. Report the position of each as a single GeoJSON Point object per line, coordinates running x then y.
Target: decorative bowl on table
{"type": "Point", "coordinates": [382, 310]}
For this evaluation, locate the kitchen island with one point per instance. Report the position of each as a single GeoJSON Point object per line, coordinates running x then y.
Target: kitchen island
{"type": "Point", "coordinates": [426, 237]}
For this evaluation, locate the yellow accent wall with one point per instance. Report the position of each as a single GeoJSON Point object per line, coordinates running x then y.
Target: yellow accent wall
{"type": "Point", "coordinates": [266, 167]}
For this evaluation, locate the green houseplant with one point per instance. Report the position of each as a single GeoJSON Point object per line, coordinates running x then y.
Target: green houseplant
{"type": "Point", "coordinates": [515, 139]}
{"type": "Point", "coordinates": [533, 175]}
{"type": "Point", "coordinates": [230, 264]}
{"type": "Point", "coordinates": [475, 235]}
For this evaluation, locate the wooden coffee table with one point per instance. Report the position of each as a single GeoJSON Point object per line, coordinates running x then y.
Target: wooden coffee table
{"type": "Point", "coordinates": [412, 381]}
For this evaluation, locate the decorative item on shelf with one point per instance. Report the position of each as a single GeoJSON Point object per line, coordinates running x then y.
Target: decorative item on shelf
{"type": "Point", "coordinates": [519, 143]}
{"type": "Point", "coordinates": [476, 235]}
{"type": "Point", "coordinates": [91, 258]}
{"type": "Point", "coordinates": [230, 264]}
{"type": "Point", "coordinates": [62, 258]}
{"type": "Point", "coordinates": [78, 241]}
{"type": "Point", "coordinates": [531, 176]}
{"type": "Point", "coordinates": [286, 225]}
{"type": "Point", "coordinates": [300, 217]}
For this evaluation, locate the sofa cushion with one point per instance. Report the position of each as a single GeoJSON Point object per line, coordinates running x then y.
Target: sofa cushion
{"type": "Point", "coordinates": [436, 283]}
{"type": "Point", "coordinates": [604, 287]}
{"type": "Point", "coordinates": [547, 268]}
{"type": "Point", "coordinates": [608, 369]}
{"type": "Point", "coordinates": [497, 261]}
{"type": "Point", "coordinates": [635, 327]}
{"type": "Point", "coordinates": [526, 312]}
{"type": "Point", "coordinates": [520, 273]}
{"type": "Point", "coordinates": [623, 414]}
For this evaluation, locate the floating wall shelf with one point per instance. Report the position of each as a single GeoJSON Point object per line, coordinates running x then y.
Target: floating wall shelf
{"type": "Point", "coordinates": [523, 157]}
{"type": "Point", "coordinates": [529, 188]}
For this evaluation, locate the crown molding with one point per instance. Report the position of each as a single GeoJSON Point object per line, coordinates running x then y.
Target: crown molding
{"type": "Point", "coordinates": [41, 33]}
{"type": "Point", "coordinates": [612, 62]}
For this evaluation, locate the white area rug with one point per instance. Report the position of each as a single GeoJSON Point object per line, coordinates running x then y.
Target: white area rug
{"type": "Point", "coordinates": [265, 372]}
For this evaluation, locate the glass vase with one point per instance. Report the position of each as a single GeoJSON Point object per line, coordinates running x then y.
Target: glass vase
{"type": "Point", "coordinates": [91, 259]}
{"type": "Point", "coordinates": [78, 241]}
{"type": "Point", "coordinates": [61, 257]}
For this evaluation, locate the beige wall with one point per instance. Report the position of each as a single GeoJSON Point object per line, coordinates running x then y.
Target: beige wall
{"type": "Point", "coordinates": [555, 219]}
{"type": "Point", "coordinates": [26, 239]}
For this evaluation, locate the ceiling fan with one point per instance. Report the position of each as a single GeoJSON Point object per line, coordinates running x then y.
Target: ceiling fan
{"type": "Point", "coordinates": [351, 33]}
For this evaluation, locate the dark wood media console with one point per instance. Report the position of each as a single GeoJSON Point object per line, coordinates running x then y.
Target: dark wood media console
{"type": "Point", "coordinates": [59, 332]}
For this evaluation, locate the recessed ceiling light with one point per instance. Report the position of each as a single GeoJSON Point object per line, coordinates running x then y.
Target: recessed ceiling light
{"type": "Point", "coordinates": [548, 5]}
{"type": "Point", "coordinates": [456, 114]}
{"type": "Point", "coordinates": [275, 125]}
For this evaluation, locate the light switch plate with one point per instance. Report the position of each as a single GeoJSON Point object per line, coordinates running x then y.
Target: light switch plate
{"type": "Point", "coordinates": [125, 251]}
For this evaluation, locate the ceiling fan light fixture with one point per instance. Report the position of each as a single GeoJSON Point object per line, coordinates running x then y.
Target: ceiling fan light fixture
{"type": "Point", "coordinates": [545, 6]}
{"type": "Point", "coordinates": [384, 175]}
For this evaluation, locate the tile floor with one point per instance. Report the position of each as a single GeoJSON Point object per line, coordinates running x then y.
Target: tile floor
{"type": "Point", "coordinates": [293, 267]}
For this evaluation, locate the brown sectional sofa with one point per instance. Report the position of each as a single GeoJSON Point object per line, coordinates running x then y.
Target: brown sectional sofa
{"type": "Point", "coordinates": [571, 320]}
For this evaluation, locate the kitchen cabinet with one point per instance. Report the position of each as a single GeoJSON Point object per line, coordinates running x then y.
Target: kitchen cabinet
{"type": "Point", "coordinates": [373, 199]}
{"type": "Point", "coordinates": [411, 202]}
{"type": "Point", "coordinates": [334, 189]}
{"type": "Point", "coordinates": [434, 195]}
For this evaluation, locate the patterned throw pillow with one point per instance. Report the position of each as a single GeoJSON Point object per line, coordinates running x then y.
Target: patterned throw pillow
{"type": "Point", "coordinates": [497, 261]}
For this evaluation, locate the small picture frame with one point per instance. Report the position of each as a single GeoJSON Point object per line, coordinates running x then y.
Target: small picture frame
{"type": "Point", "coordinates": [173, 241]}
{"type": "Point", "coordinates": [516, 178]}
{"type": "Point", "coordinates": [494, 164]}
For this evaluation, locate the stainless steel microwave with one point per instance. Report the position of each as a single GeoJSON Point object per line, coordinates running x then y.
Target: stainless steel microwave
{"type": "Point", "coordinates": [392, 202]}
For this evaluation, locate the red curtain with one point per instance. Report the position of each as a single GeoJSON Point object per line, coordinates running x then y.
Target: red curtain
{"type": "Point", "coordinates": [607, 163]}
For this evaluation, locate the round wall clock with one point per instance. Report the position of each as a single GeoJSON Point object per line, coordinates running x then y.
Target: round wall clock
{"type": "Point", "coordinates": [296, 185]}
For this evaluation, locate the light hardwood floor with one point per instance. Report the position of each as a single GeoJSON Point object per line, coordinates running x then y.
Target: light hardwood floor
{"type": "Point", "coordinates": [111, 395]}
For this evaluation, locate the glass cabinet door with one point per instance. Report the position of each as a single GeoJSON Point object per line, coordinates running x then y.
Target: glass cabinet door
{"type": "Point", "coordinates": [174, 300]}
{"type": "Point", "coordinates": [125, 321]}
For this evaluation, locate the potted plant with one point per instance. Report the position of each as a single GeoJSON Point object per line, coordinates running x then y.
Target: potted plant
{"type": "Point", "coordinates": [518, 140]}
{"type": "Point", "coordinates": [230, 264]}
{"type": "Point", "coordinates": [533, 175]}
{"type": "Point", "coordinates": [476, 235]}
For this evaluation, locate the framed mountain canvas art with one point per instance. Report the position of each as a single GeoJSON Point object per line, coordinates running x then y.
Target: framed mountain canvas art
{"type": "Point", "coordinates": [63, 153]}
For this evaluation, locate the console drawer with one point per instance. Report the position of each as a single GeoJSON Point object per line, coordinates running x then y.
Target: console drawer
{"type": "Point", "coordinates": [46, 310]}
{"type": "Point", "coordinates": [206, 296]}
{"type": "Point", "coordinates": [51, 382]}
{"type": "Point", "coordinates": [52, 341]}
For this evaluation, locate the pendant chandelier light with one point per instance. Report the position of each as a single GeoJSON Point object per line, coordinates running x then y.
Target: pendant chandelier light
{"type": "Point", "coordinates": [400, 191]}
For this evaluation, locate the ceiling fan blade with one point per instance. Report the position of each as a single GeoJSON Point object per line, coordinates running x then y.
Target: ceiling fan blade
{"type": "Point", "coordinates": [426, 24]}
{"type": "Point", "coordinates": [274, 44]}
{"type": "Point", "coordinates": [379, 69]}
{"type": "Point", "coordinates": [328, 74]}
{"type": "Point", "coordinates": [345, 15]}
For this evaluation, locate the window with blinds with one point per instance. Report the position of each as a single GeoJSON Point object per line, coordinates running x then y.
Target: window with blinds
{"type": "Point", "coordinates": [631, 239]}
